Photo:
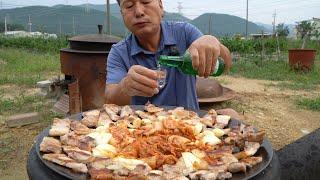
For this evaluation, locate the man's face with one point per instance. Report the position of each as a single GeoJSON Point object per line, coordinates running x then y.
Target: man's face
{"type": "Point", "coordinates": [142, 17]}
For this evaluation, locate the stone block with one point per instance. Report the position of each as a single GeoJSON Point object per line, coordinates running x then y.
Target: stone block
{"type": "Point", "coordinates": [44, 84]}
{"type": "Point", "coordinates": [23, 119]}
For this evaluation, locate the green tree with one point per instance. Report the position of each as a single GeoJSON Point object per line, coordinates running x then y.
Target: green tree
{"type": "Point", "coordinates": [305, 29]}
{"type": "Point", "coordinates": [282, 30]}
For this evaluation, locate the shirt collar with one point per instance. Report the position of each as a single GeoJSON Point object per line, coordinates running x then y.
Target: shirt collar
{"type": "Point", "coordinates": [167, 38]}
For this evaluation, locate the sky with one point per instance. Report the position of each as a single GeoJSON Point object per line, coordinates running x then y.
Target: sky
{"type": "Point", "coordinates": [287, 11]}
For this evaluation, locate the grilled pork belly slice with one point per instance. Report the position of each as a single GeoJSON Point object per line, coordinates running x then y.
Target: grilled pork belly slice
{"type": "Point", "coordinates": [59, 127]}
{"type": "Point", "coordinates": [79, 128]}
{"type": "Point", "coordinates": [90, 118]}
{"type": "Point", "coordinates": [251, 148]}
{"type": "Point", "coordinates": [241, 155]}
{"type": "Point", "coordinates": [78, 167]}
{"type": "Point", "coordinates": [126, 111]}
{"type": "Point", "coordinates": [255, 137]}
{"type": "Point", "coordinates": [141, 169]}
{"type": "Point", "coordinates": [104, 120]}
{"type": "Point", "coordinates": [207, 121]}
{"type": "Point", "coordinates": [70, 139]}
{"type": "Point", "coordinates": [228, 159]}
{"type": "Point", "coordinates": [210, 175]}
{"type": "Point", "coordinates": [86, 143]}
{"type": "Point", "coordinates": [102, 174]}
{"type": "Point", "coordinates": [50, 145]}
{"type": "Point", "coordinates": [181, 114]}
{"type": "Point", "coordinates": [237, 167]}
{"type": "Point", "coordinates": [113, 111]}
{"type": "Point", "coordinates": [210, 118]}
{"type": "Point", "coordinates": [92, 113]}
{"type": "Point", "coordinates": [144, 115]}
{"type": "Point", "coordinates": [60, 159]}
{"type": "Point", "coordinates": [83, 142]}
{"type": "Point", "coordinates": [172, 171]}
{"type": "Point", "coordinates": [90, 121]}
{"type": "Point", "coordinates": [63, 160]}
{"type": "Point", "coordinates": [224, 175]}
{"type": "Point", "coordinates": [78, 154]}
{"type": "Point", "coordinates": [251, 161]}
{"type": "Point", "coordinates": [203, 175]}
{"type": "Point", "coordinates": [152, 108]}
{"type": "Point", "coordinates": [100, 163]}
{"type": "Point", "coordinates": [251, 135]}
{"type": "Point", "coordinates": [222, 121]}
{"type": "Point", "coordinates": [155, 175]}
{"type": "Point", "coordinates": [218, 168]}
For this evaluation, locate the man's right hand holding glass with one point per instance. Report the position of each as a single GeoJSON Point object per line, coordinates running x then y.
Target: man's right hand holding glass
{"type": "Point", "coordinates": [140, 81]}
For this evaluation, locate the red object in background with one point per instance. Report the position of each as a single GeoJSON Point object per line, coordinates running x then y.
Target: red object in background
{"type": "Point", "coordinates": [302, 59]}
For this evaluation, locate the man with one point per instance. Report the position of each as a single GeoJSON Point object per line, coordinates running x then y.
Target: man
{"type": "Point", "coordinates": [130, 78]}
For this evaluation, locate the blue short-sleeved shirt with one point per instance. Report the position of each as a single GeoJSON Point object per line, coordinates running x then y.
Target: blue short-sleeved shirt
{"type": "Point", "coordinates": [180, 89]}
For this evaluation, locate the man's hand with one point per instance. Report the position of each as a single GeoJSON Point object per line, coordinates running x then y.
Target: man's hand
{"type": "Point", "coordinates": [140, 81]}
{"type": "Point", "coordinates": [205, 52]}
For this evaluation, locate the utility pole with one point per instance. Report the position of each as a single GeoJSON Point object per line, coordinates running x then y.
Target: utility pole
{"type": "Point", "coordinates": [210, 25]}
{"type": "Point", "coordinates": [247, 19]}
{"type": "Point", "coordinates": [274, 22]}
{"type": "Point", "coordinates": [30, 24]}
{"type": "Point", "coordinates": [87, 8]}
{"type": "Point", "coordinates": [60, 28]}
{"type": "Point", "coordinates": [278, 45]}
{"type": "Point", "coordinates": [108, 17]}
{"type": "Point", "coordinates": [73, 26]}
{"type": "Point", "coordinates": [262, 44]}
{"type": "Point", "coordinates": [5, 25]}
{"type": "Point", "coordinates": [180, 8]}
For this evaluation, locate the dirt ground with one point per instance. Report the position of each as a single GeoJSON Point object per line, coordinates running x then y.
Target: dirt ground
{"type": "Point", "coordinates": [264, 106]}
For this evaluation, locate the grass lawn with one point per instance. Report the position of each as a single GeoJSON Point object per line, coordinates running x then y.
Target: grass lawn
{"type": "Point", "coordinates": [20, 71]}
{"type": "Point", "coordinates": [281, 71]}
{"type": "Point", "coordinates": [23, 67]}
{"type": "Point", "coordinates": [312, 104]}
{"type": "Point", "coordinates": [278, 71]}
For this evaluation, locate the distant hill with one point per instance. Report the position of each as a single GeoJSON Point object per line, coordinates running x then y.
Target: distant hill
{"type": "Point", "coordinates": [268, 27]}
{"type": "Point", "coordinates": [48, 19]}
{"type": "Point", "coordinates": [114, 8]}
{"type": "Point", "coordinates": [115, 11]}
{"type": "Point", "coordinates": [224, 25]}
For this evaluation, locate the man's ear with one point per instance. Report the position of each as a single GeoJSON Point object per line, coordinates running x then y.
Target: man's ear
{"type": "Point", "coordinates": [161, 6]}
{"type": "Point", "coordinates": [160, 3]}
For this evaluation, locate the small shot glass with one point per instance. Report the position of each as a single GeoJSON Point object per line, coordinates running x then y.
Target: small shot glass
{"type": "Point", "coordinates": [162, 75]}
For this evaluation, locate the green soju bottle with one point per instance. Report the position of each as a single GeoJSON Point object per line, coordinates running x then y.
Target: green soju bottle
{"type": "Point", "coordinates": [184, 63]}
